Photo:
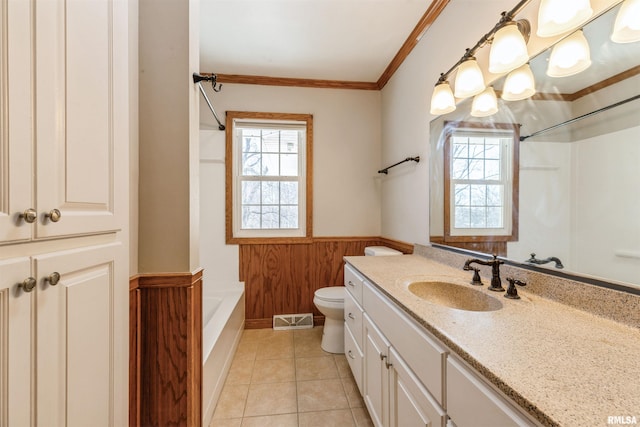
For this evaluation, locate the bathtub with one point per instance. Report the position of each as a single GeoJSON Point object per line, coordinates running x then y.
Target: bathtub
{"type": "Point", "coordinates": [222, 326]}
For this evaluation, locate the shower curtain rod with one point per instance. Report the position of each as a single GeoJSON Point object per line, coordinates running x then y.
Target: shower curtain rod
{"type": "Point", "coordinates": [197, 78]}
{"type": "Point", "coordinates": [584, 116]}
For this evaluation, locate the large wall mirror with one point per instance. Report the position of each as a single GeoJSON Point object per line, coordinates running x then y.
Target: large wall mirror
{"type": "Point", "coordinates": [573, 170]}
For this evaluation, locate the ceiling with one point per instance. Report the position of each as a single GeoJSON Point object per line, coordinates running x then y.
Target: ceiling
{"type": "Point", "coordinates": [345, 40]}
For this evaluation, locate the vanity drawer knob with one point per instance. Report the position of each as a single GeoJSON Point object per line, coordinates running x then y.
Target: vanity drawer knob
{"type": "Point", "coordinates": [53, 215]}
{"type": "Point", "coordinates": [28, 284]}
{"type": "Point", "coordinates": [350, 283]}
{"type": "Point", "coordinates": [29, 216]}
{"type": "Point", "coordinates": [53, 278]}
{"type": "Point", "coordinates": [350, 353]}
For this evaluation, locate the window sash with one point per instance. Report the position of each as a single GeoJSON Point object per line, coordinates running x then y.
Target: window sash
{"type": "Point", "coordinates": [266, 210]}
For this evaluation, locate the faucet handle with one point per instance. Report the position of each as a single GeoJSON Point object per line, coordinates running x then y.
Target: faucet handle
{"type": "Point", "coordinates": [512, 291]}
{"type": "Point", "coordinates": [476, 280]}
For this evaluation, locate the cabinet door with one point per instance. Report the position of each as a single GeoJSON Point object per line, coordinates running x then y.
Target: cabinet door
{"type": "Point", "coordinates": [376, 374]}
{"type": "Point", "coordinates": [79, 361]}
{"type": "Point", "coordinates": [16, 136]}
{"type": "Point", "coordinates": [410, 402]}
{"type": "Point", "coordinates": [81, 113]}
{"type": "Point", "coordinates": [16, 352]}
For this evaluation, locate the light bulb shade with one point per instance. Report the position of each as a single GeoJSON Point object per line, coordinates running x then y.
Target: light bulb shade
{"type": "Point", "coordinates": [627, 26]}
{"type": "Point", "coordinates": [519, 84]}
{"type": "Point", "coordinates": [469, 79]}
{"type": "Point", "coordinates": [570, 56]}
{"type": "Point", "coordinates": [442, 100]}
{"type": "Point", "coordinates": [485, 103]}
{"type": "Point", "coordinates": [508, 49]}
{"type": "Point", "coordinates": [559, 16]}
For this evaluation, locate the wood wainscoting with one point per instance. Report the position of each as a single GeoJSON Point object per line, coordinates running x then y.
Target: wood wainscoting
{"type": "Point", "coordinates": [281, 278]}
{"type": "Point", "coordinates": [493, 247]}
{"type": "Point", "coordinates": [165, 361]}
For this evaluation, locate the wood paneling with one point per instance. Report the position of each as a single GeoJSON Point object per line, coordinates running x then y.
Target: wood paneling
{"type": "Point", "coordinates": [497, 248]}
{"type": "Point", "coordinates": [166, 333]}
{"type": "Point", "coordinates": [281, 278]}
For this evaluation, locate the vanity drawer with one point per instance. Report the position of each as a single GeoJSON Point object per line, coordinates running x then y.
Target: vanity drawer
{"type": "Point", "coordinates": [353, 282]}
{"type": "Point", "coordinates": [472, 403]}
{"type": "Point", "coordinates": [353, 317]}
{"type": "Point", "coordinates": [424, 355]}
{"type": "Point", "coordinates": [354, 357]}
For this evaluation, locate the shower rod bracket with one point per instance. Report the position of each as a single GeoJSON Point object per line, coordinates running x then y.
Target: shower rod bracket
{"type": "Point", "coordinates": [408, 159]}
{"type": "Point", "coordinates": [198, 79]}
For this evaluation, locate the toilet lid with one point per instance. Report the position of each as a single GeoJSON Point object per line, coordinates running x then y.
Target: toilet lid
{"type": "Point", "coordinates": [332, 293]}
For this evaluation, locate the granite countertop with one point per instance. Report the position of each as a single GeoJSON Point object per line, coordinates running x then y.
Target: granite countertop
{"type": "Point", "coordinates": [562, 365]}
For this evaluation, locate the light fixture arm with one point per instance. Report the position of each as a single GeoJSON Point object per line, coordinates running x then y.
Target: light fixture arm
{"type": "Point", "coordinates": [506, 17]}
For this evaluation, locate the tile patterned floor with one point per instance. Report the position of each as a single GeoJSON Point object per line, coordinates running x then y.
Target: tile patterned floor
{"type": "Point", "coordinates": [284, 379]}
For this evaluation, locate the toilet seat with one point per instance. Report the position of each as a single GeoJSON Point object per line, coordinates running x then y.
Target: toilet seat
{"type": "Point", "coordinates": [330, 294]}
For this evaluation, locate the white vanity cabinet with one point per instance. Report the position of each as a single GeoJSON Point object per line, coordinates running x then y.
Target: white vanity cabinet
{"type": "Point", "coordinates": [353, 323]}
{"type": "Point", "coordinates": [472, 403]}
{"type": "Point", "coordinates": [410, 378]}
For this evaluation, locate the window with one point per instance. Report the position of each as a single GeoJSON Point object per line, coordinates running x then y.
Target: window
{"type": "Point", "coordinates": [481, 182]}
{"type": "Point", "coordinates": [268, 176]}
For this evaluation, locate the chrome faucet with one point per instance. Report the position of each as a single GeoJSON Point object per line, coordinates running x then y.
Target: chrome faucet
{"type": "Point", "coordinates": [534, 260]}
{"type": "Point", "coordinates": [496, 283]}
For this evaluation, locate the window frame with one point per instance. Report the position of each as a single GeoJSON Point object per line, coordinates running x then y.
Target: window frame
{"type": "Point", "coordinates": [232, 162]}
{"type": "Point", "coordinates": [450, 127]}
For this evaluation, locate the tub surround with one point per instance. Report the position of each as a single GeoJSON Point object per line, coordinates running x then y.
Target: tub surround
{"type": "Point", "coordinates": [557, 356]}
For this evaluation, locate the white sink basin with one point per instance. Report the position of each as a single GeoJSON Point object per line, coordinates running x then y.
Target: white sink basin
{"type": "Point", "coordinates": [454, 296]}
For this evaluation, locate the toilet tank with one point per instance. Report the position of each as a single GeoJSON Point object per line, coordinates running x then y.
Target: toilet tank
{"type": "Point", "coordinates": [380, 251]}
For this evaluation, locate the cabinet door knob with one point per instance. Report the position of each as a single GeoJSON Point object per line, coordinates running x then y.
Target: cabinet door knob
{"type": "Point", "coordinates": [53, 278]}
{"type": "Point", "coordinates": [27, 284]}
{"type": "Point", "coordinates": [29, 216]}
{"type": "Point", "coordinates": [351, 316]}
{"type": "Point", "coordinates": [350, 283]}
{"type": "Point", "coordinates": [53, 215]}
{"type": "Point", "coordinates": [383, 356]}
{"type": "Point", "coordinates": [350, 353]}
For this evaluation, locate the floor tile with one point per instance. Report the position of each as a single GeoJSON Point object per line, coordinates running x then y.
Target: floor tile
{"type": "Point", "coordinates": [342, 364]}
{"type": "Point", "coordinates": [273, 371]}
{"type": "Point", "coordinates": [233, 422]}
{"type": "Point", "coordinates": [337, 418]}
{"type": "Point", "coordinates": [315, 368]}
{"type": "Point", "coordinates": [271, 399]}
{"type": "Point", "coordinates": [321, 395]}
{"type": "Point", "coordinates": [361, 417]}
{"type": "Point", "coordinates": [285, 420]}
{"type": "Point", "coordinates": [231, 402]}
{"type": "Point", "coordinates": [240, 371]}
{"type": "Point", "coordinates": [353, 393]}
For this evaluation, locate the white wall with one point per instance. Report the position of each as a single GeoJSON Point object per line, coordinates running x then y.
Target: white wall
{"type": "Point", "coordinates": [346, 153]}
{"type": "Point", "coordinates": [405, 113]}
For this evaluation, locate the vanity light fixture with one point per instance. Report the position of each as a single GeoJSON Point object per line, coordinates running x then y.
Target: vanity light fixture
{"type": "Point", "coordinates": [442, 100]}
{"type": "Point", "coordinates": [509, 47]}
{"type": "Point", "coordinates": [467, 64]}
{"type": "Point", "coordinates": [469, 79]}
{"type": "Point", "coordinates": [519, 84]}
{"type": "Point", "coordinates": [484, 104]}
{"type": "Point", "coordinates": [570, 56]}
{"type": "Point", "coordinates": [627, 26]}
{"type": "Point", "coordinates": [556, 17]}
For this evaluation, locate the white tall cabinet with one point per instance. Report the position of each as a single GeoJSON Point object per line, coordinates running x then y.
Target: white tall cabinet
{"type": "Point", "coordinates": [64, 141]}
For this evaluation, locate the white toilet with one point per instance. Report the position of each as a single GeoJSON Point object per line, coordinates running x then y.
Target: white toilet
{"type": "Point", "coordinates": [330, 302]}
